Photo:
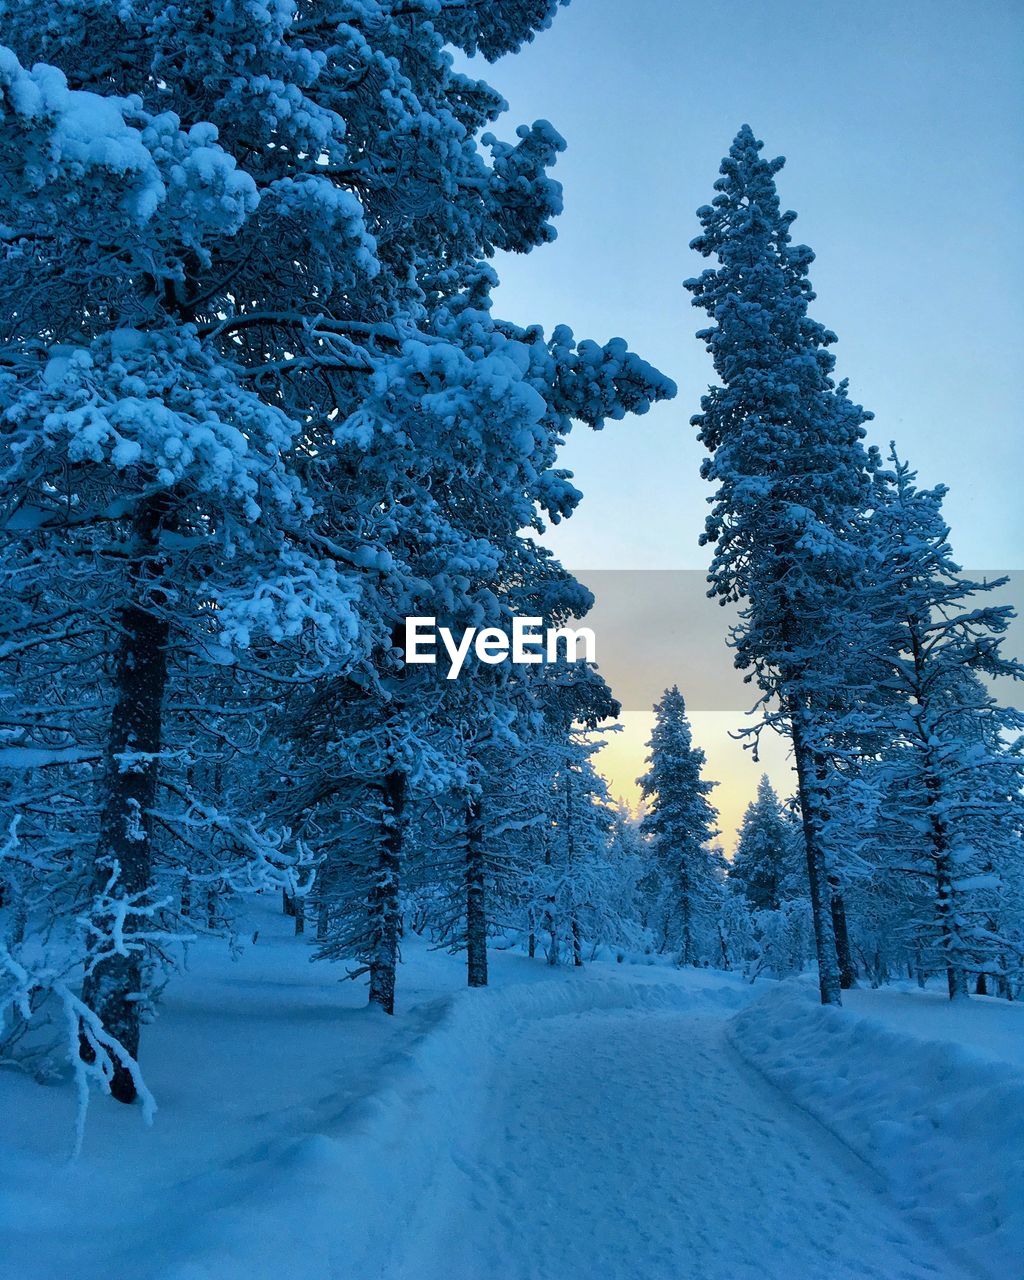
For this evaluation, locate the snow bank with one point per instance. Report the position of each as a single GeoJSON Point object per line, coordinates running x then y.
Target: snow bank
{"type": "Point", "coordinates": [941, 1121]}
{"type": "Point", "coordinates": [343, 1199]}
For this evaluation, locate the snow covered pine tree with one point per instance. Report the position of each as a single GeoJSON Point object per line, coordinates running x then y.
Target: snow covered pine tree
{"type": "Point", "coordinates": [680, 821]}
{"type": "Point", "coordinates": [146, 487]}
{"type": "Point", "coordinates": [246, 463]}
{"type": "Point", "coordinates": [951, 814]}
{"type": "Point", "coordinates": [792, 477]}
{"type": "Point", "coordinates": [759, 865]}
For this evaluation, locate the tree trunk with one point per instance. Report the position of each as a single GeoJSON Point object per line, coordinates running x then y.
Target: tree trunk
{"type": "Point", "coordinates": [723, 948]}
{"type": "Point", "coordinates": [686, 954]}
{"type": "Point", "coordinates": [824, 934]}
{"type": "Point", "coordinates": [287, 902]}
{"type": "Point", "coordinates": [844, 951]}
{"type": "Point", "coordinates": [531, 942]}
{"type": "Point", "coordinates": [956, 978]}
{"type": "Point", "coordinates": [323, 921]}
{"type": "Point", "coordinates": [476, 900]}
{"type": "Point", "coordinates": [300, 916]}
{"type": "Point", "coordinates": [549, 917]}
{"type": "Point", "coordinates": [942, 861]}
{"type": "Point", "coordinates": [577, 945]}
{"type": "Point", "coordinates": [113, 982]}
{"type": "Point", "coordinates": [384, 895]}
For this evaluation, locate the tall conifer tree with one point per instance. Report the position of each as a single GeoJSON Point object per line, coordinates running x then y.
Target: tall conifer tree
{"type": "Point", "coordinates": [792, 480]}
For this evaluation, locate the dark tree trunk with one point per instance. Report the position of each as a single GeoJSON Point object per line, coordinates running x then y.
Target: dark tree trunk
{"type": "Point", "coordinates": [531, 943]}
{"type": "Point", "coordinates": [549, 918]}
{"type": "Point", "coordinates": [810, 810]}
{"type": "Point", "coordinates": [300, 915]}
{"type": "Point", "coordinates": [956, 977]}
{"type": "Point", "coordinates": [287, 903]}
{"type": "Point", "coordinates": [384, 895]}
{"type": "Point", "coordinates": [981, 986]}
{"type": "Point", "coordinates": [476, 897]}
{"type": "Point", "coordinates": [686, 951]}
{"type": "Point", "coordinates": [941, 853]}
{"type": "Point", "coordinates": [577, 945]}
{"type": "Point", "coordinates": [844, 951]}
{"type": "Point", "coordinates": [723, 948]}
{"type": "Point", "coordinates": [113, 984]}
{"type": "Point", "coordinates": [323, 921]}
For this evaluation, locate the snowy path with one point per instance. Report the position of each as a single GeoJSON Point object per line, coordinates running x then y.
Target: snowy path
{"type": "Point", "coordinates": [637, 1146]}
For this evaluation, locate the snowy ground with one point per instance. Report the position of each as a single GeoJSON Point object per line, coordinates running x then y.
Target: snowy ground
{"type": "Point", "coordinates": [622, 1122]}
{"type": "Point", "coordinates": [634, 1144]}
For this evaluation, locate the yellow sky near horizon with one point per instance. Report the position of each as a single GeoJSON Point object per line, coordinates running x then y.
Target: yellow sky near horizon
{"type": "Point", "coordinates": [621, 761]}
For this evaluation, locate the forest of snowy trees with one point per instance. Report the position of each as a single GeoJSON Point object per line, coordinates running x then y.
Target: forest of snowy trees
{"type": "Point", "coordinates": [257, 410]}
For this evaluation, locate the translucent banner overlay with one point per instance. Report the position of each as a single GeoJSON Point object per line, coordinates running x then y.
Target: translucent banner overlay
{"type": "Point", "coordinates": [657, 627]}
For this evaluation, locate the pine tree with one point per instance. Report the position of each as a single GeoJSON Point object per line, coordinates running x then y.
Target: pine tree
{"type": "Point", "coordinates": [571, 891]}
{"type": "Point", "coordinates": [792, 479]}
{"type": "Point", "coordinates": [758, 867]}
{"type": "Point", "coordinates": [242, 467]}
{"type": "Point", "coordinates": [951, 776]}
{"type": "Point", "coordinates": [143, 478]}
{"type": "Point", "coordinates": [680, 822]}
{"type": "Point", "coordinates": [514, 726]}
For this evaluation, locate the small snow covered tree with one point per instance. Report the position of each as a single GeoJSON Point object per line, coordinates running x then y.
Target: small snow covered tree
{"type": "Point", "coordinates": [758, 867]}
{"type": "Point", "coordinates": [568, 888]}
{"type": "Point", "coordinates": [572, 891]}
{"type": "Point", "coordinates": [633, 860]}
{"type": "Point", "coordinates": [680, 822]}
{"type": "Point", "coordinates": [792, 479]}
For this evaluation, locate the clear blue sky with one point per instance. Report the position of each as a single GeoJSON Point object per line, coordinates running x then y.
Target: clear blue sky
{"type": "Point", "coordinates": [902, 127]}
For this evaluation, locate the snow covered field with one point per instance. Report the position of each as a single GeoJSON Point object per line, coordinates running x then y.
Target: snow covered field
{"type": "Point", "coordinates": [619, 1122]}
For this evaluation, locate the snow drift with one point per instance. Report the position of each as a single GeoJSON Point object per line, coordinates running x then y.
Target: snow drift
{"type": "Point", "coordinates": [940, 1121]}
